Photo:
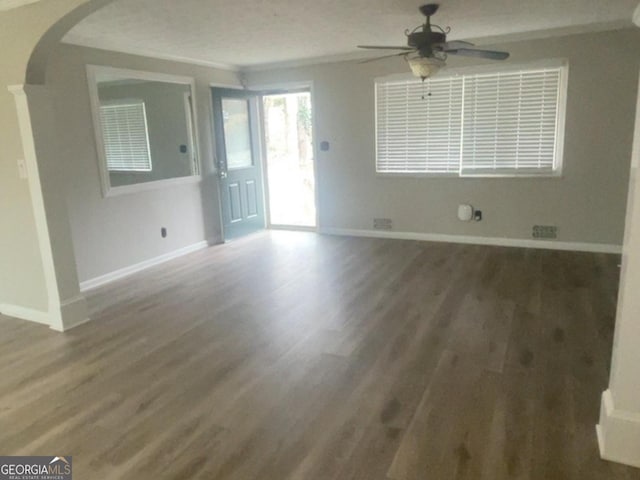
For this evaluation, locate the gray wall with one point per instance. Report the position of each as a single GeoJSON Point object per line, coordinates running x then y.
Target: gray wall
{"type": "Point", "coordinates": [22, 273]}
{"type": "Point", "coordinates": [587, 203]}
{"type": "Point", "coordinates": [166, 125]}
{"type": "Point", "coordinates": [115, 232]}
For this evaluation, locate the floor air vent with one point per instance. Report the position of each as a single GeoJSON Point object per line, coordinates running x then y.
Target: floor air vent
{"type": "Point", "coordinates": [545, 231]}
{"type": "Point", "coordinates": [382, 224]}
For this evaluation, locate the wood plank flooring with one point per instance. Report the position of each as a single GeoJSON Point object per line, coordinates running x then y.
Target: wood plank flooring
{"type": "Point", "coordinates": [297, 356]}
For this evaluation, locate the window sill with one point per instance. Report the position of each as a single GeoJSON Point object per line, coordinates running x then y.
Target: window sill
{"type": "Point", "coordinates": [510, 175]}
{"type": "Point", "coordinates": [557, 175]}
{"type": "Point", "coordinates": [158, 184]}
{"type": "Point", "coordinates": [417, 175]}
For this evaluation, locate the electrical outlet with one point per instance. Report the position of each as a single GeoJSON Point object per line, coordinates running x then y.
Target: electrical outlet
{"type": "Point", "coordinates": [382, 224]}
{"type": "Point", "coordinates": [163, 232]}
{"type": "Point", "coordinates": [545, 231]}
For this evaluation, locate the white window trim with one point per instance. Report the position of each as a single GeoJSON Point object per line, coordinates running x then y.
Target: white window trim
{"type": "Point", "coordinates": [93, 71]}
{"type": "Point", "coordinates": [557, 173]}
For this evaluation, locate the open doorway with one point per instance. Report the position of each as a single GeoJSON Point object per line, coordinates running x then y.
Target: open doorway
{"type": "Point", "coordinates": [289, 159]}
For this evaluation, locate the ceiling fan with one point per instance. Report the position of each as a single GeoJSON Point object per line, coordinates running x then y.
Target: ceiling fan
{"type": "Point", "coordinates": [427, 47]}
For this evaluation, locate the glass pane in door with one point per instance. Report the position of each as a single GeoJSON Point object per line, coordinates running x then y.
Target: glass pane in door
{"type": "Point", "coordinates": [237, 133]}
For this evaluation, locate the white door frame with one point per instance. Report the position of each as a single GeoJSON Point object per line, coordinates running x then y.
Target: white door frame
{"type": "Point", "coordinates": [275, 88]}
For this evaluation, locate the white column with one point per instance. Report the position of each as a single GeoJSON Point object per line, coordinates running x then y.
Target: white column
{"type": "Point", "coordinates": [619, 427]}
{"type": "Point", "coordinates": [45, 170]}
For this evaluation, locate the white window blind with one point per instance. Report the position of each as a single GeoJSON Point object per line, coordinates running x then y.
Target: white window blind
{"type": "Point", "coordinates": [497, 123]}
{"type": "Point", "coordinates": [126, 139]}
{"type": "Point", "coordinates": [510, 122]}
{"type": "Point", "coordinates": [416, 135]}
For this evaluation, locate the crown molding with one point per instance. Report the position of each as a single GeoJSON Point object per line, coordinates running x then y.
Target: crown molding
{"type": "Point", "coordinates": [11, 4]}
{"type": "Point", "coordinates": [479, 41]}
{"type": "Point", "coordinates": [80, 41]}
{"type": "Point", "coordinates": [558, 32]}
{"type": "Point", "coordinates": [305, 62]}
{"type": "Point", "coordinates": [73, 39]}
{"type": "Point", "coordinates": [77, 40]}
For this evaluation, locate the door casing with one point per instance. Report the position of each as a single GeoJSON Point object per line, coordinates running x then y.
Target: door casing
{"type": "Point", "coordinates": [260, 91]}
{"type": "Point", "coordinates": [283, 88]}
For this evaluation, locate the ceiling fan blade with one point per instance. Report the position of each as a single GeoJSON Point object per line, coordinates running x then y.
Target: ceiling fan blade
{"type": "Point", "coordinates": [456, 44]}
{"type": "Point", "coordinates": [368, 60]}
{"type": "Point", "coordinates": [470, 52]}
{"type": "Point", "coordinates": [378, 47]}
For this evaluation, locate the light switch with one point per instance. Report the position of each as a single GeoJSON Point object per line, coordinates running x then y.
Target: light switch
{"type": "Point", "coordinates": [22, 168]}
{"type": "Point", "coordinates": [465, 213]}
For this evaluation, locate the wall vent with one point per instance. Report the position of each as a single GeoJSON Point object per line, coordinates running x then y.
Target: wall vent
{"type": "Point", "coordinates": [544, 231]}
{"type": "Point", "coordinates": [382, 224]}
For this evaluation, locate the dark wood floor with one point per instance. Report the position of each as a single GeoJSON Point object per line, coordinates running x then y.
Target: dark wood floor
{"type": "Point", "coordinates": [296, 356]}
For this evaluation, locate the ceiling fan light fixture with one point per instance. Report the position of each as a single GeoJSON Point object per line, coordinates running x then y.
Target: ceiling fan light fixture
{"type": "Point", "coordinates": [427, 47]}
{"type": "Point", "coordinates": [425, 67]}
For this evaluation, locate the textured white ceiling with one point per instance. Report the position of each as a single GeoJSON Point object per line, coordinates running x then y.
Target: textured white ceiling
{"type": "Point", "coordinates": [246, 33]}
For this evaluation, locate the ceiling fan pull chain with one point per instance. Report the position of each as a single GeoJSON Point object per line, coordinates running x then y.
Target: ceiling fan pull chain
{"type": "Point", "coordinates": [423, 87]}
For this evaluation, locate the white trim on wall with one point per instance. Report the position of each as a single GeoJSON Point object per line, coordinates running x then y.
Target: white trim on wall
{"type": "Point", "coordinates": [283, 88]}
{"type": "Point", "coordinates": [618, 433]}
{"type": "Point", "coordinates": [117, 73]}
{"type": "Point", "coordinates": [62, 314]}
{"type": "Point", "coordinates": [474, 240]}
{"type": "Point", "coordinates": [23, 313]}
{"type": "Point", "coordinates": [155, 185]}
{"type": "Point", "coordinates": [76, 40]}
{"type": "Point", "coordinates": [138, 267]}
{"type": "Point", "coordinates": [74, 311]}
{"type": "Point", "coordinates": [306, 62]}
{"type": "Point", "coordinates": [53, 316]}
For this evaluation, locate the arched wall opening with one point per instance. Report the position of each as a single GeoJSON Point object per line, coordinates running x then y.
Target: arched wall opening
{"type": "Point", "coordinates": [36, 247]}
{"type": "Point", "coordinates": [45, 141]}
{"type": "Point", "coordinates": [37, 65]}
{"type": "Point", "coordinates": [28, 35]}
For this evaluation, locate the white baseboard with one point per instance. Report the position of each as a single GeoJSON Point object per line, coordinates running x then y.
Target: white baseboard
{"type": "Point", "coordinates": [125, 272]}
{"type": "Point", "coordinates": [73, 313]}
{"type": "Point", "coordinates": [23, 313]}
{"type": "Point", "coordinates": [495, 241]}
{"type": "Point", "coordinates": [618, 433]}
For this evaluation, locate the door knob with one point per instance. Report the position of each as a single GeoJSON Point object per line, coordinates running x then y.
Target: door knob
{"type": "Point", "coordinates": [222, 168]}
